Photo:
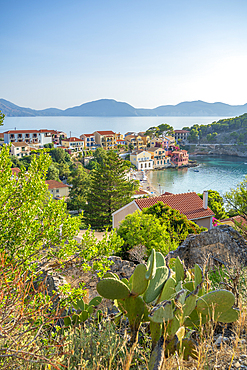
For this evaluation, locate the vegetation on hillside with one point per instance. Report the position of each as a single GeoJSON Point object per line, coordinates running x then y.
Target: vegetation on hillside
{"type": "Point", "coordinates": [228, 130]}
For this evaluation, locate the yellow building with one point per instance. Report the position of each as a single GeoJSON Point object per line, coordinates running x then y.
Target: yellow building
{"type": "Point", "coordinates": [142, 160]}
{"type": "Point", "coordinates": [57, 189]}
{"type": "Point", "coordinates": [136, 140]}
{"type": "Point", "coordinates": [73, 143]}
{"type": "Point", "coordinates": [106, 139]}
{"type": "Point", "coordinates": [159, 157]}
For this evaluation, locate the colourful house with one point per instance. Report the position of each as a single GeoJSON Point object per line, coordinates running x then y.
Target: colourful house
{"type": "Point", "coordinates": [180, 158]}
{"type": "Point", "coordinates": [142, 160]}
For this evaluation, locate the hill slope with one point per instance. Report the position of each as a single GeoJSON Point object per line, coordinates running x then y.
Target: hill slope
{"type": "Point", "coordinates": [112, 108]}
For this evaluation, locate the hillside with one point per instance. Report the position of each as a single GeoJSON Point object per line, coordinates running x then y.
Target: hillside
{"type": "Point", "coordinates": [225, 131]}
{"type": "Point", "coordinates": [112, 108]}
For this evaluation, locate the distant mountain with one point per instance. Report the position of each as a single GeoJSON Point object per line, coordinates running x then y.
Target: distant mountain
{"type": "Point", "coordinates": [112, 108]}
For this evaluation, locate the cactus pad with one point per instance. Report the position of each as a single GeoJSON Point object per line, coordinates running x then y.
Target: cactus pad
{"type": "Point", "coordinates": [151, 265]}
{"type": "Point", "coordinates": [179, 270]}
{"type": "Point", "coordinates": [229, 316]}
{"type": "Point", "coordinates": [160, 260]}
{"type": "Point", "coordinates": [168, 290]}
{"type": "Point", "coordinates": [217, 301]}
{"type": "Point", "coordinates": [156, 284]}
{"type": "Point", "coordinates": [112, 289]}
{"type": "Point", "coordinates": [162, 313]}
{"type": "Point", "coordinates": [95, 301]}
{"type": "Point", "coordinates": [139, 282]}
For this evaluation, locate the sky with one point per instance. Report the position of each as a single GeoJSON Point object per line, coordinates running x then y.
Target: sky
{"type": "Point", "coordinates": [59, 53]}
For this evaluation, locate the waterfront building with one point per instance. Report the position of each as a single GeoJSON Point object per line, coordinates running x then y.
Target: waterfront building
{"type": "Point", "coordinates": [19, 149]}
{"type": "Point", "coordinates": [142, 160]}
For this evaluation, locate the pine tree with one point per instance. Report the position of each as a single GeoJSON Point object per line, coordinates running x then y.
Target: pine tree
{"type": "Point", "coordinates": [110, 190]}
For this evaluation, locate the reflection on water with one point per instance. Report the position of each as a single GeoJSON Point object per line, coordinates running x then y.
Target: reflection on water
{"type": "Point", "coordinates": [217, 173]}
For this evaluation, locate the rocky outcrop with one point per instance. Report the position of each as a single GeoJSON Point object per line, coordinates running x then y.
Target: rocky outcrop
{"type": "Point", "coordinates": [222, 244]}
{"type": "Point", "coordinates": [218, 149]}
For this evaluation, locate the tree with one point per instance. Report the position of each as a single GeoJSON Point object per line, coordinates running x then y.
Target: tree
{"type": "Point", "coordinates": [80, 182]}
{"type": "Point", "coordinates": [53, 173]}
{"type": "Point", "coordinates": [32, 224]}
{"type": "Point", "coordinates": [159, 227]}
{"type": "Point", "coordinates": [236, 199]}
{"type": "Point", "coordinates": [109, 191]}
{"type": "Point", "coordinates": [49, 145]}
{"type": "Point", "coordinates": [216, 204]}
{"type": "Point", "coordinates": [165, 129]}
{"type": "Point", "coordinates": [1, 118]}
{"type": "Point", "coordinates": [59, 155]}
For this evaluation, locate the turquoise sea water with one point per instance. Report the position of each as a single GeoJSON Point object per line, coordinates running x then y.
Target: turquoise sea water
{"type": "Point", "coordinates": [217, 173]}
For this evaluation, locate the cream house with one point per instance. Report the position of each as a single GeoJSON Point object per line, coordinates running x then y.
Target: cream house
{"type": "Point", "coordinates": [189, 204]}
{"type": "Point", "coordinates": [19, 149]}
{"type": "Point", "coordinates": [58, 189]}
{"type": "Point", "coordinates": [142, 160]}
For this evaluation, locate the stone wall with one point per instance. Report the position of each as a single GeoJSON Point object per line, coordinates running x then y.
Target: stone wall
{"type": "Point", "coordinates": [221, 243]}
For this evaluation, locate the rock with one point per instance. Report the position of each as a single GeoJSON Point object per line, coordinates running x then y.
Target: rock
{"type": "Point", "coordinates": [221, 339]}
{"type": "Point", "coordinates": [222, 244]}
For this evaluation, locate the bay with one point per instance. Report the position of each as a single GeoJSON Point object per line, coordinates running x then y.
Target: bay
{"type": "Point", "coordinates": [217, 173]}
{"type": "Point", "coordinates": [75, 126]}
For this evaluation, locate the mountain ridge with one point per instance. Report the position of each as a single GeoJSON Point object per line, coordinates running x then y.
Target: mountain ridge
{"type": "Point", "coordinates": [113, 108]}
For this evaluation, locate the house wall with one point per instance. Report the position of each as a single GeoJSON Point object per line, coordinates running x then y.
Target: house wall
{"type": "Point", "coordinates": [59, 192]}
{"type": "Point", "coordinates": [121, 214]}
{"type": "Point", "coordinates": [204, 222]}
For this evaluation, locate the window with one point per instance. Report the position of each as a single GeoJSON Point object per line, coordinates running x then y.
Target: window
{"type": "Point", "coordinates": [57, 191]}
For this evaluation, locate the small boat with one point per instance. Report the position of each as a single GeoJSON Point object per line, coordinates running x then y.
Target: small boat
{"type": "Point", "coordinates": [196, 170]}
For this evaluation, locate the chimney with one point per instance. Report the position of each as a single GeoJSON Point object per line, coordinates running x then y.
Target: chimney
{"type": "Point", "coordinates": [205, 199]}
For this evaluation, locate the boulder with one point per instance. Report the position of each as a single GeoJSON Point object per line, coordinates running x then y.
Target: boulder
{"type": "Point", "coordinates": [221, 244]}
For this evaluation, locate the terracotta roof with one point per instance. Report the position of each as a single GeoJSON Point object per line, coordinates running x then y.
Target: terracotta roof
{"type": "Point", "coordinates": [27, 131]}
{"type": "Point", "coordinates": [21, 143]}
{"type": "Point", "coordinates": [141, 192]}
{"type": "Point", "coordinates": [238, 218]}
{"type": "Point", "coordinates": [72, 139]}
{"type": "Point", "coordinates": [190, 204]}
{"type": "Point", "coordinates": [153, 149]}
{"type": "Point", "coordinates": [106, 132]}
{"type": "Point", "coordinates": [166, 193]}
{"type": "Point", "coordinates": [15, 170]}
{"type": "Point", "coordinates": [1, 135]}
{"type": "Point", "coordinates": [87, 135]}
{"type": "Point", "coordinates": [52, 184]}
{"type": "Point", "coordinates": [181, 131]}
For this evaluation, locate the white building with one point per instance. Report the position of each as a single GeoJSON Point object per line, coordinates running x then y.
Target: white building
{"type": "Point", "coordinates": [40, 137]}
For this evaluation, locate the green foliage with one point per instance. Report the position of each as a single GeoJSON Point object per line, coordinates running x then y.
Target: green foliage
{"type": "Point", "coordinates": [109, 191]}
{"type": "Point", "coordinates": [159, 227]}
{"type": "Point", "coordinates": [216, 204]}
{"type": "Point", "coordinates": [52, 173]}
{"type": "Point", "coordinates": [83, 312]}
{"type": "Point", "coordinates": [49, 146]}
{"type": "Point", "coordinates": [160, 130]}
{"type": "Point", "coordinates": [181, 310]}
{"type": "Point", "coordinates": [80, 181]}
{"type": "Point", "coordinates": [32, 223]}
{"type": "Point", "coordinates": [236, 199]}
{"type": "Point", "coordinates": [59, 155]}
{"type": "Point", "coordinates": [1, 118]}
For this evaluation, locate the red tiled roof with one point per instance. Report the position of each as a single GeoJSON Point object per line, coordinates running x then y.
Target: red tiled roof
{"type": "Point", "coordinates": [27, 131]}
{"type": "Point", "coordinates": [190, 204]}
{"type": "Point", "coordinates": [181, 131]}
{"type": "Point", "coordinates": [15, 170]}
{"type": "Point", "coordinates": [238, 218]}
{"type": "Point", "coordinates": [72, 139]}
{"type": "Point", "coordinates": [166, 193]}
{"type": "Point", "coordinates": [19, 143]}
{"type": "Point", "coordinates": [88, 135]}
{"type": "Point", "coordinates": [141, 192]}
{"type": "Point", "coordinates": [106, 132]}
{"type": "Point", "coordinates": [52, 184]}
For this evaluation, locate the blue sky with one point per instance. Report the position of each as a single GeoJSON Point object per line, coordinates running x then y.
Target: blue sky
{"type": "Point", "coordinates": [61, 53]}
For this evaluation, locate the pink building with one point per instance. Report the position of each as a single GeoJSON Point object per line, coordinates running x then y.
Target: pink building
{"type": "Point", "coordinates": [180, 157]}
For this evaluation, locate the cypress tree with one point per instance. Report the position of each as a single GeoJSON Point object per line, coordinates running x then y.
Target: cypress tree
{"type": "Point", "coordinates": [110, 190]}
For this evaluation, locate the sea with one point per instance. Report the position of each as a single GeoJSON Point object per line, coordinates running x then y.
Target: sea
{"type": "Point", "coordinates": [220, 173]}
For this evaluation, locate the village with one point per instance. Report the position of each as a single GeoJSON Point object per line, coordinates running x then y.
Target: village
{"type": "Point", "coordinates": [146, 153]}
